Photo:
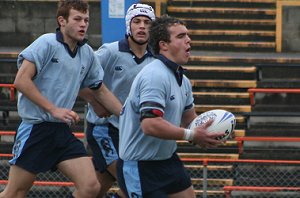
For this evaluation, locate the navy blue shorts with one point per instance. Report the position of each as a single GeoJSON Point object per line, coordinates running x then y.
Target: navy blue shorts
{"type": "Point", "coordinates": [104, 143]}
{"type": "Point", "coordinates": [40, 147]}
{"type": "Point", "coordinates": [152, 179]}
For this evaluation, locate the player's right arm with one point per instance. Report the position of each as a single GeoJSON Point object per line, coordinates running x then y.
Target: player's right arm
{"type": "Point", "coordinates": [161, 128]}
{"type": "Point", "coordinates": [23, 83]}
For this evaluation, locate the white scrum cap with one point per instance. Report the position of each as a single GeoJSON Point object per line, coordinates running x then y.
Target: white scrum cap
{"type": "Point", "coordinates": [138, 10]}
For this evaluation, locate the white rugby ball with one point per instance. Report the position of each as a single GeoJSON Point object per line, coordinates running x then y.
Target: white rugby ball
{"type": "Point", "coordinates": [224, 121]}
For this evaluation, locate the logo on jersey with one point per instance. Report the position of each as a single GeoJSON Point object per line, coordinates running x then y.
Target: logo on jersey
{"type": "Point", "coordinates": [118, 68]}
{"type": "Point", "coordinates": [82, 69]}
{"type": "Point", "coordinates": [172, 97]}
{"type": "Point", "coordinates": [54, 60]}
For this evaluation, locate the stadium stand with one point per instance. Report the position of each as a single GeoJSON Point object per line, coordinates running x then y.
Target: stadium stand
{"type": "Point", "coordinates": [233, 56]}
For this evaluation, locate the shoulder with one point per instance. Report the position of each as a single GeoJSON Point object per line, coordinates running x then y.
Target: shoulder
{"type": "Point", "coordinates": [87, 50]}
{"type": "Point", "coordinates": [110, 46]}
{"type": "Point", "coordinates": [155, 71]}
{"type": "Point", "coordinates": [49, 38]}
{"type": "Point", "coordinates": [107, 49]}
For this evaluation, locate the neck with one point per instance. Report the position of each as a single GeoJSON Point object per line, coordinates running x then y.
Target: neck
{"type": "Point", "coordinates": [138, 49]}
{"type": "Point", "coordinates": [71, 42]}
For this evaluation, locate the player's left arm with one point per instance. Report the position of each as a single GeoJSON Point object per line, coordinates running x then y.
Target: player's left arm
{"type": "Point", "coordinates": [188, 116]}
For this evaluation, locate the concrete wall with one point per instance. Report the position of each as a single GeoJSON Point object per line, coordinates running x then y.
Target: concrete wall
{"type": "Point", "coordinates": [21, 22]}
{"type": "Point", "coordinates": [291, 29]}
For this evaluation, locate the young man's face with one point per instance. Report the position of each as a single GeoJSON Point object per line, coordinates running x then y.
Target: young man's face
{"type": "Point", "coordinates": [178, 49]}
{"type": "Point", "coordinates": [75, 27]}
{"type": "Point", "coordinates": [139, 27]}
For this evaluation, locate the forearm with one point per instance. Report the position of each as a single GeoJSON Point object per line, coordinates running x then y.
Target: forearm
{"type": "Point", "coordinates": [108, 100]}
{"type": "Point", "coordinates": [160, 128]}
{"type": "Point", "coordinates": [28, 88]}
{"type": "Point", "coordinates": [87, 94]}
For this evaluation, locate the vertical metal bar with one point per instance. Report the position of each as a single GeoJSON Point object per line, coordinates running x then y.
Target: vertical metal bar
{"type": "Point", "coordinates": [205, 179]}
{"type": "Point", "coordinates": [85, 125]}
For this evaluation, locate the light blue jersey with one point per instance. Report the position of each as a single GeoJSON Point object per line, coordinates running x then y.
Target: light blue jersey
{"type": "Point", "coordinates": [120, 67]}
{"type": "Point", "coordinates": [60, 74]}
{"type": "Point", "coordinates": [160, 83]}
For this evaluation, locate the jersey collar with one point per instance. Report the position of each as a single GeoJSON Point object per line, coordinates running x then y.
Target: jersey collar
{"type": "Point", "coordinates": [177, 69]}
{"type": "Point", "coordinates": [124, 47]}
{"type": "Point", "coordinates": [60, 38]}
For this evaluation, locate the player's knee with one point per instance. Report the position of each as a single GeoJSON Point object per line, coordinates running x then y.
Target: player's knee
{"type": "Point", "coordinates": [15, 194]}
{"type": "Point", "coordinates": [90, 189]}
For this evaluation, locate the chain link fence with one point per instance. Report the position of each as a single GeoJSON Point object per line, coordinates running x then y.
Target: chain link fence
{"type": "Point", "coordinates": [267, 179]}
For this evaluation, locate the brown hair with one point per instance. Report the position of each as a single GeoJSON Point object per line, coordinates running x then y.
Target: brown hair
{"type": "Point", "coordinates": [159, 31]}
{"type": "Point", "coordinates": [64, 7]}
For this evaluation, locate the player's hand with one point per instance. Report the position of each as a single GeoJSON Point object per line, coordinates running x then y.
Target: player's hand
{"type": "Point", "coordinates": [66, 115]}
{"type": "Point", "coordinates": [205, 139]}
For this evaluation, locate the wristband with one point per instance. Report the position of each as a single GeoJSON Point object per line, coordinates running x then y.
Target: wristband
{"type": "Point", "coordinates": [188, 134]}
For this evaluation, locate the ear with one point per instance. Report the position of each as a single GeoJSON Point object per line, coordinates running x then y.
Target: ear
{"type": "Point", "coordinates": [61, 21]}
{"type": "Point", "coordinates": [163, 45]}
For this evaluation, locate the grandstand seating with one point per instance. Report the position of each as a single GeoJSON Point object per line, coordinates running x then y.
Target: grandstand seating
{"type": "Point", "coordinates": [221, 25]}
{"type": "Point", "coordinates": [224, 73]}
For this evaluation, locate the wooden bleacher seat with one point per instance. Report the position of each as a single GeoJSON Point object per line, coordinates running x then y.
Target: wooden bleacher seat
{"type": "Point", "coordinates": [195, 33]}
{"type": "Point", "coordinates": [7, 56]}
{"type": "Point", "coordinates": [213, 182]}
{"type": "Point", "coordinates": [222, 25]}
{"type": "Point", "coordinates": [209, 167]}
{"type": "Point", "coordinates": [220, 72]}
{"type": "Point", "coordinates": [221, 94]}
{"type": "Point", "coordinates": [209, 155]}
{"type": "Point", "coordinates": [234, 44]}
{"type": "Point", "coordinates": [224, 83]}
{"type": "Point", "coordinates": [222, 69]}
{"type": "Point", "coordinates": [224, 22]}
{"type": "Point", "coordinates": [229, 189]}
{"type": "Point", "coordinates": [216, 10]}
{"type": "Point", "coordinates": [231, 108]}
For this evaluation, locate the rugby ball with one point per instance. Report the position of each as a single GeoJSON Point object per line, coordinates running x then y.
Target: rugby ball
{"type": "Point", "coordinates": [224, 121]}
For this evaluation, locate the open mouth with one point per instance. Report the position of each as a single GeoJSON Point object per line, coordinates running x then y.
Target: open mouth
{"type": "Point", "coordinates": [141, 33]}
